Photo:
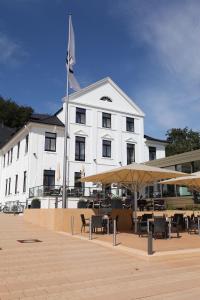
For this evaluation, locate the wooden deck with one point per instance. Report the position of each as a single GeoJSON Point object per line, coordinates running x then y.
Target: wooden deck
{"type": "Point", "coordinates": [65, 267]}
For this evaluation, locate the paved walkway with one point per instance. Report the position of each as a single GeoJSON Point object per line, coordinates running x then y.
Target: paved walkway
{"type": "Point", "coordinates": [62, 267]}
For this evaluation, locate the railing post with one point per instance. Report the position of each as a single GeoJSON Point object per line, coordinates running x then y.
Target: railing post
{"type": "Point", "coordinates": [187, 223]}
{"type": "Point", "coordinates": [108, 226]}
{"type": "Point", "coordinates": [170, 228]}
{"type": "Point", "coordinates": [72, 225]}
{"type": "Point", "coordinates": [90, 229]}
{"type": "Point", "coordinates": [150, 243]}
{"type": "Point", "coordinates": [56, 202]}
{"type": "Point", "coordinates": [114, 232]}
{"type": "Point", "coordinates": [147, 225]}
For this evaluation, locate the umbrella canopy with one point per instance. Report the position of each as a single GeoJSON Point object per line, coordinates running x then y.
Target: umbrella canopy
{"type": "Point", "coordinates": [136, 176]}
{"type": "Point", "coordinates": [191, 180]}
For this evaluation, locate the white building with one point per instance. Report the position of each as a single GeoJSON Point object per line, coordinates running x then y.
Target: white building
{"type": "Point", "coordinates": [106, 130]}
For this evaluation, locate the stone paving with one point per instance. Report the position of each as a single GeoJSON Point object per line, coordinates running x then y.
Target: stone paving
{"type": "Point", "coordinates": [64, 267]}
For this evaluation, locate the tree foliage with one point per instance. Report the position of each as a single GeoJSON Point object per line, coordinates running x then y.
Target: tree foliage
{"type": "Point", "coordinates": [12, 114]}
{"type": "Point", "coordinates": [182, 140]}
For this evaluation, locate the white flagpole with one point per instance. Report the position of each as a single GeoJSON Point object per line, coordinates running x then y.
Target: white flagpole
{"type": "Point", "coordinates": [64, 194]}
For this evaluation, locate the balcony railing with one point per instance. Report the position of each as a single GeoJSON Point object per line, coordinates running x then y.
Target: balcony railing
{"type": "Point", "coordinates": [72, 192]}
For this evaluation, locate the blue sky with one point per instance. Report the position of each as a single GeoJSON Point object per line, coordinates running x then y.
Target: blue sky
{"type": "Point", "coordinates": [150, 48]}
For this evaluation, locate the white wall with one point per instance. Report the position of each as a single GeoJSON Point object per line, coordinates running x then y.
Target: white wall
{"type": "Point", "coordinates": [160, 149]}
{"type": "Point", "coordinates": [37, 160]}
{"type": "Point", "coordinates": [34, 162]}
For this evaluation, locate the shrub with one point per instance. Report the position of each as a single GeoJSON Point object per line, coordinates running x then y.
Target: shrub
{"type": "Point", "coordinates": [35, 203]}
{"type": "Point", "coordinates": [82, 204]}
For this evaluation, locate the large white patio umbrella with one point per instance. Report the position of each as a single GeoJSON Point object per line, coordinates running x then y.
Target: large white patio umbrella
{"type": "Point", "coordinates": [134, 176]}
{"type": "Point", "coordinates": [191, 180]}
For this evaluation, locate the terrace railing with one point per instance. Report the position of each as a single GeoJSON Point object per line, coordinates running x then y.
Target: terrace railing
{"type": "Point", "coordinates": [71, 191]}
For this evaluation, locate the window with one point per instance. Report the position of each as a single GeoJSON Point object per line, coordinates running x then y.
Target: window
{"type": "Point", "coordinates": [106, 120]}
{"type": "Point", "coordinates": [152, 153]}
{"type": "Point", "coordinates": [50, 141]}
{"type": "Point", "coordinates": [4, 160]}
{"type": "Point", "coordinates": [18, 149]}
{"type": "Point", "coordinates": [106, 148]}
{"type": "Point", "coordinates": [8, 157]}
{"type": "Point", "coordinates": [24, 181]}
{"type": "Point", "coordinates": [26, 144]}
{"type": "Point", "coordinates": [11, 155]}
{"type": "Point", "coordinates": [9, 186]}
{"type": "Point", "coordinates": [130, 153]}
{"type": "Point", "coordinates": [6, 190]}
{"type": "Point", "coordinates": [49, 178]}
{"type": "Point", "coordinates": [129, 124]}
{"type": "Point", "coordinates": [80, 115]}
{"type": "Point", "coordinates": [80, 148]}
{"type": "Point", "coordinates": [106, 98]}
{"type": "Point", "coordinates": [16, 183]}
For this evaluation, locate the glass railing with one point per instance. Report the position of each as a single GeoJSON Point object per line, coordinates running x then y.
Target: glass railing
{"type": "Point", "coordinates": [56, 191]}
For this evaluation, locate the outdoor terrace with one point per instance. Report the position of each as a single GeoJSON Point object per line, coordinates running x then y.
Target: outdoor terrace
{"type": "Point", "coordinates": [69, 221]}
{"type": "Point", "coordinates": [65, 267]}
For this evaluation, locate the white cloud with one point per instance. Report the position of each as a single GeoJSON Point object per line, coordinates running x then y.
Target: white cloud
{"type": "Point", "coordinates": [170, 30]}
{"type": "Point", "coordinates": [11, 53]}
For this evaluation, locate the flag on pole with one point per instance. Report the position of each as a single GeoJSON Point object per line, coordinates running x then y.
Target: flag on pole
{"type": "Point", "coordinates": [73, 83]}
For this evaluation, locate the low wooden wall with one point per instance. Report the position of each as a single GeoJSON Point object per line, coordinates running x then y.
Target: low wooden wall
{"type": "Point", "coordinates": [60, 219]}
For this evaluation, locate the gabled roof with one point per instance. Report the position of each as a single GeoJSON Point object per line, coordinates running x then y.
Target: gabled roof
{"type": "Point", "coordinates": [99, 83]}
{"type": "Point", "coordinates": [149, 138]}
{"type": "Point", "coordinates": [5, 134]}
{"type": "Point", "coordinates": [35, 118]}
{"type": "Point", "coordinates": [45, 119]}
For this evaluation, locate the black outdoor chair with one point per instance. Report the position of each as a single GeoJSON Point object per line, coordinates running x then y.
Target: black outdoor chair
{"type": "Point", "coordinates": [192, 225]}
{"type": "Point", "coordinates": [149, 205]}
{"type": "Point", "coordinates": [178, 220]}
{"type": "Point", "coordinates": [142, 223]}
{"type": "Point", "coordinates": [127, 203]}
{"type": "Point", "coordinates": [85, 222]}
{"type": "Point", "coordinates": [160, 227]}
{"type": "Point", "coordinates": [97, 223]}
{"type": "Point", "coordinates": [159, 204]}
{"type": "Point", "coordinates": [176, 224]}
{"type": "Point", "coordinates": [106, 203]}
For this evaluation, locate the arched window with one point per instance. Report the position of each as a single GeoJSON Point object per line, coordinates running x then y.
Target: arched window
{"type": "Point", "coordinates": [106, 98]}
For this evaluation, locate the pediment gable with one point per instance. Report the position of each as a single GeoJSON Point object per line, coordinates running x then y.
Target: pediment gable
{"type": "Point", "coordinates": [107, 137]}
{"type": "Point", "coordinates": [81, 133]}
{"type": "Point", "coordinates": [131, 140]}
{"type": "Point", "coordinates": [105, 94]}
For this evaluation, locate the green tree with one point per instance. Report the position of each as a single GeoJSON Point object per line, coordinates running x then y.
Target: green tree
{"type": "Point", "coordinates": [182, 140]}
{"type": "Point", "coordinates": [12, 114]}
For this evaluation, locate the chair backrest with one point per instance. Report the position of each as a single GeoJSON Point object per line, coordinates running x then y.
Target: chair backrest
{"type": "Point", "coordinates": [97, 221]}
{"type": "Point", "coordinates": [83, 219]}
{"type": "Point", "coordinates": [145, 217]}
{"type": "Point", "coordinates": [179, 219]}
{"type": "Point", "coordinates": [159, 225]}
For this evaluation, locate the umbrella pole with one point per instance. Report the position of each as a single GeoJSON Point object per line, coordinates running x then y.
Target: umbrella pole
{"type": "Point", "coordinates": [135, 211]}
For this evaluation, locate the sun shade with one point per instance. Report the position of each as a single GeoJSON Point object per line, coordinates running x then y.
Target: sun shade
{"type": "Point", "coordinates": [191, 180]}
{"type": "Point", "coordinates": [136, 175]}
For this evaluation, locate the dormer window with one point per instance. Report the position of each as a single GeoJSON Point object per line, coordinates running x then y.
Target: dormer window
{"type": "Point", "coordinates": [106, 98]}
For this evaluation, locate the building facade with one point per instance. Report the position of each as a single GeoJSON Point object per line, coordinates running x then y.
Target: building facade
{"type": "Point", "coordinates": [106, 130]}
